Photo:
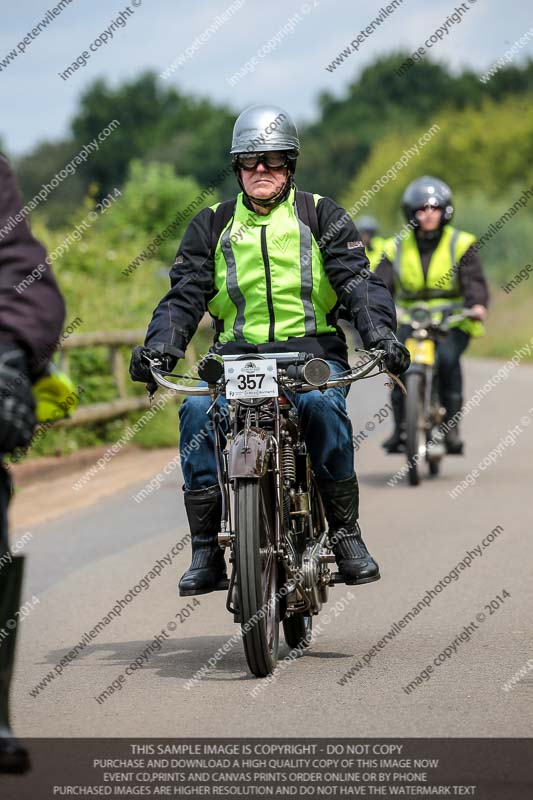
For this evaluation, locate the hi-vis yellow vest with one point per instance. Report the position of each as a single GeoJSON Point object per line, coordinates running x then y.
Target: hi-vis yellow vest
{"type": "Point", "coordinates": [375, 251]}
{"type": "Point", "coordinates": [270, 279]}
{"type": "Point", "coordinates": [442, 280]}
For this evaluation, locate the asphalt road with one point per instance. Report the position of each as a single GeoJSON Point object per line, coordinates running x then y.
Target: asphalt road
{"type": "Point", "coordinates": [83, 562]}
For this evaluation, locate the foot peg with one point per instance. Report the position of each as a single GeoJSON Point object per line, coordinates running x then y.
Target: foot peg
{"type": "Point", "coordinates": [336, 577]}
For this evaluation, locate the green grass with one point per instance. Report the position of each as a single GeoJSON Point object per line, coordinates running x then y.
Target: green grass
{"type": "Point", "coordinates": [509, 325]}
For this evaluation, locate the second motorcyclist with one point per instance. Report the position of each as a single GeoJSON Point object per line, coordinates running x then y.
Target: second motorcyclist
{"type": "Point", "coordinates": [435, 263]}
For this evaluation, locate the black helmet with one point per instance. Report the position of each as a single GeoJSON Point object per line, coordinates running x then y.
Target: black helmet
{"type": "Point", "coordinates": [367, 225]}
{"type": "Point", "coordinates": [427, 191]}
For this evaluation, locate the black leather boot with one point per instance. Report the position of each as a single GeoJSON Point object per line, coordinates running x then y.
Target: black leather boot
{"type": "Point", "coordinates": [13, 757]}
{"type": "Point", "coordinates": [452, 439]}
{"type": "Point", "coordinates": [396, 441]}
{"type": "Point", "coordinates": [208, 567]}
{"type": "Point", "coordinates": [341, 503]}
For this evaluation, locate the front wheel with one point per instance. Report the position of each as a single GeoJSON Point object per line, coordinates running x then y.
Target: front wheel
{"type": "Point", "coordinates": [297, 629]}
{"type": "Point", "coordinates": [413, 424]}
{"type": "Point", "coordinates": [434, 466]}
{"type": "Point", "coordinates": [257, 572]}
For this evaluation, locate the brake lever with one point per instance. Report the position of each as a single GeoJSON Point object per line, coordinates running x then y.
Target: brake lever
{"type": "Point", "coordinates": [151, 386]}
{"type": "Point", "coordinates": [395, 380]}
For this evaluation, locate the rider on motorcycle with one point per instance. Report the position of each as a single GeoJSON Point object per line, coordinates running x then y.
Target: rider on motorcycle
{"type": "Point", "coordinates": [368, 227]}
{"type": "Point", "coordinates": [435, 263]}
{"type": "Point", "coordinates": [271, 277]}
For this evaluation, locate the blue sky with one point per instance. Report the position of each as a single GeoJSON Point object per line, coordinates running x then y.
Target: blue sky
{"type": "Point", "coordinates": [40, 103]}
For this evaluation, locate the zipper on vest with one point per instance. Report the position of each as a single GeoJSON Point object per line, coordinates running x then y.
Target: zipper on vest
{"type": "Point", "coordinates": [266, 262]}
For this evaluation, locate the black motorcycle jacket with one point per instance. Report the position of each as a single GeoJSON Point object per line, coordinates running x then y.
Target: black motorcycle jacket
{"type": "Point", "coordinates": [370, 304]}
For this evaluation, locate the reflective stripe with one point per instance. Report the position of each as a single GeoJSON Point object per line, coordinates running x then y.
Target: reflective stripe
{"type": "Point", "coordinates": [396, 266]}
{"type": "Point", "coordinates": [306, 276]}
{"type": "Point", "coordinates": [268, 280]}
{"type": "Point", "coordinates": [232, 285]}
{"type": "Point", "coordinates": [455, 273]}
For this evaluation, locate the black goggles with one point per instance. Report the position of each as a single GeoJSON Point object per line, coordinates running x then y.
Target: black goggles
{"type": "Point", "coordinates": [431, 204]}
{"type": "Point", "coordinates": [276, 159]}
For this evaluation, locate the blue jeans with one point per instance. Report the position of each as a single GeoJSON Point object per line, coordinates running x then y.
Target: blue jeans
{"type": "Point", "coordinates": [324, 419]}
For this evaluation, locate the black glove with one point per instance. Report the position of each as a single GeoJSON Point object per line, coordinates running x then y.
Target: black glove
{"type": "Point", "coordinates": [140, 368]}
{"type": "Point", "coordinates": [397, 358]}
{"type": "Point", "coordinates": [17, 404]}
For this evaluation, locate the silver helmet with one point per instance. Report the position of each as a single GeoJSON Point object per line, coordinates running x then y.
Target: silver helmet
{"type": "Point", "coordinates": [261, 128]}
{"type": "Point", "coordinates": [427, 191]}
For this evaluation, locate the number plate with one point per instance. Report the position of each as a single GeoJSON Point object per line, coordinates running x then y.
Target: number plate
{"type": "Point", "coordinates": [250, 377]}
{"type": "Point", "coordinates": [421, 351]}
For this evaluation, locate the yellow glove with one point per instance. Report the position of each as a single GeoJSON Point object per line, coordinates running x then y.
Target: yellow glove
{"type": "Point", "coordinates": [55, 396]}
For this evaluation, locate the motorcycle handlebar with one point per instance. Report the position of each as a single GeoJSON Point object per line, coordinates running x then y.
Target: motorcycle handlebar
{"type": "Point", "coordinates": [466, 314]}
{"type": "Point", "coordinates": [356, 373]}
{"type": "Point", "coordinates": [448, 318]}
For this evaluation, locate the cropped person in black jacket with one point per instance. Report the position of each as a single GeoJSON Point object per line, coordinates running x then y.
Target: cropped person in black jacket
{"type": "Point", "coordinates": [32, 312]}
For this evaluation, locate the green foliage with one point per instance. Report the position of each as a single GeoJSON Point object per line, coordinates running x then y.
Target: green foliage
{"type": "Point", "coordinates": [132, 105]}
{"type": "Point", "coordinates": [90, 276]}
{"type": "Point", "coordinates": [90, 368]}
{"type": "Point", "coordinates": [40, 167]}
{"type": "Point", "coordinates": [150, 200]}
{"type": "Point", "coordinates": [376, 103]}
{"type": "Point", "coordinates": [157, 123]}
{"type": "Point", "coordinates": [161, 430]}
{"type": "Point", "coordinates": [153, 119]}
{"type": "Point", "coordinates": [511, 247]}
{"type": "Point", "coordinates": [381, 104]}
{"type": "Point", "coordinates": [90, 269]}
{"type": "Point", "coordinates": [89, 273]}
{"type": "Point", "coordinates": [487, 165]}
{"type": "Point", "coordinates": [201, 150]}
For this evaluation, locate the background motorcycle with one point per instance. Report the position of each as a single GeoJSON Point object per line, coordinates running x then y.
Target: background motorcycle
{"type": "Point", "coordinates": [424, 414]}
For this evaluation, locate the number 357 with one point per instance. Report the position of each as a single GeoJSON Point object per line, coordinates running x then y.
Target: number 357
{"type": "Point", "coordinates": [250, 381]}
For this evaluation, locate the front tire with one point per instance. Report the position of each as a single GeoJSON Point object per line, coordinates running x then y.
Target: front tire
{"type": "Point", "coordinates": [257, 572]}
{"type": "Point", "coordinates": [434, 466]}
{"type": "Point", "coordinates": [413, 418]}
{"type": "Point", "coordinates": [297, 630]}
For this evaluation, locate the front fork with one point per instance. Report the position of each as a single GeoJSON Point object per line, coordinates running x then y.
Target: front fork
{"type": "Point", "coordinates": [250, 453]}
{"type": "Point", "coordinates": [434, 414]}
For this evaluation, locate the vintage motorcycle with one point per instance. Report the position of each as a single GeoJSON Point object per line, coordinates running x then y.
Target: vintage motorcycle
{"type": "Point", "coordinates": [424, 413]}
{"type": "Point", "coordinates": [276, 531]}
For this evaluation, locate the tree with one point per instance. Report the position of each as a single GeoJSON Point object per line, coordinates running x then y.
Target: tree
{"type": "Point", "coordinates": [155, 121]}
{"type": "Point", "coordinates": [39, 168]}
{"type": "Point", "coordinates": [381, 102]}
